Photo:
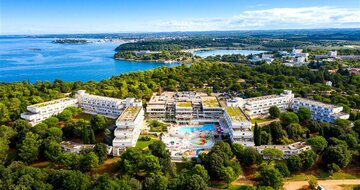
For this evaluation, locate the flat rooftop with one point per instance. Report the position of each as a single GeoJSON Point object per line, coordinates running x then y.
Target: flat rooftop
{"type": "Point", "coordinates": [43, 104]}
{"type": "Point", "coordinates": [129, 114]}
{"type": "Point", "coordinates": [210, 102]}
{"type": "Point", "coordinates": [72, 145]}
{"type": "Point", "coordinates": [294, 146]}
{"type": "Point", "coordinates": [262, 98]}
{"type": "Point", "coordinates": [183, 104]}
{"type": "Point", "coordinates": [236, 114]}
{"type": "Point", "coordinates": [102, 98]}
{"type": "Point", "coordinates": [317, 103]}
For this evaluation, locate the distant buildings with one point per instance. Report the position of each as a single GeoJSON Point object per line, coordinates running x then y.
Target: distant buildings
{"type": "Point", "coordinates": [328, 83]}
{"type": "Point", "coordinates": [296, 57]}
{"type": "Point", "coordinates": [332, 55]}
{"type": "Point", "coordinates": [39, 112]}
{"type": "Point", "coordinates": [184, 107]}
{"type": "Point", "coordinates": [268, 58]}
{"type": "Point", "coordinates": [128, 128]}
{"type": "Point", "coordinates": [288, 150]}
{"type": "Point", "coordinates": [320, 111]}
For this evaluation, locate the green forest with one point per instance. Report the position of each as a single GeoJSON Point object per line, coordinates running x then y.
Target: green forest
{"type": "Point", "coordinates": [22, 146]}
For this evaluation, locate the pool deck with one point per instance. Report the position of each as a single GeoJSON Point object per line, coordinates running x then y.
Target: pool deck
{"type": "Point", "coordinates": [187, 140]}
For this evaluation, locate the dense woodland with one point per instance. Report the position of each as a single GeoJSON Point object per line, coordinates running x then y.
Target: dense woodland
{"type": "Point", "coordinates": [274, 40]}
{"type": "Point", "coordinates": [178, 56]}
{"type": "Point", "coordinates": [22, 145]}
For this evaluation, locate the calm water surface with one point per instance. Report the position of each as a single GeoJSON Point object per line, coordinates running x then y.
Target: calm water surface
{"type": "Point", "coordinates": [38, 59]}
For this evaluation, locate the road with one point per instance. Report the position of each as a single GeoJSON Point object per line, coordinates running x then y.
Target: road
{"type": "Point", "coordinates": [327, 184]}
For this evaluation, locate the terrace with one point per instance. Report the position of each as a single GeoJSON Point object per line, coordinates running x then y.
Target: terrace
{"type": "Point", "coordinates": [235, 114]}
{"type": "Point", "coordinates": [184, 104]}
{"type": "Point", "coordinates": [314, 102]}
{"type": "Point", "coordinates": [39, 105]}
{"type": "Point", "coordinates": [210, 102]}
{"type": "Point", "coordinates": [129, 114]}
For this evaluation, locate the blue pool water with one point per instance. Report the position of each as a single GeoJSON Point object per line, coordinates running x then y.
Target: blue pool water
{"type": "Point", "coordinates": [25, 58]}
{"type": "Point", "coordinates": [204, 127]}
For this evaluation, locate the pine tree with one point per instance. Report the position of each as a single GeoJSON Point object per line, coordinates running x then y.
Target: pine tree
{"type": "Point", "coordinates": [86, 136]}
{"type": "Point", "coordinates": [257, 135]}
{"type": "Point", "coordinates": [92, 137]}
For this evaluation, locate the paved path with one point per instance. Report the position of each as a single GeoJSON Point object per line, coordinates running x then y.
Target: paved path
{"type": "Point", "coordinates": [327, 184]}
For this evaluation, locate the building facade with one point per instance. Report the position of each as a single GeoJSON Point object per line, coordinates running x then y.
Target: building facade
{"type": "Point", "coordinates": [39, 112]}
{"type": "Point", "coordinates": [106, 106]}
{"type": "Point", "coordinates": [260, 105]}
{"type": "Point", "coordinates": [128, 128]}
{"type": "Point", "coordinates": [184, 107]}
{"type": "Point", "coordinates": [320, 111]}
{"type": "Point", "coordinates": [239, 126]}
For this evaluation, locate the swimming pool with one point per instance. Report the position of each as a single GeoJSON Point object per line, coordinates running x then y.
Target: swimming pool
{"type": "Point", "coordinates": [191, 128]}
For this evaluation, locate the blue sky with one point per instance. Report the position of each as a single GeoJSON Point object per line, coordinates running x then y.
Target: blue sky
{"type": "Point", "coordinates": [92, 16]}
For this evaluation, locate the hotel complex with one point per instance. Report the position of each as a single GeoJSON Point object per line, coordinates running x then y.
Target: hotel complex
{"type": "Point", "coordinates": [200, 118]}
{"type": "Point", "coordinates": [39, 112]}
{"type": "Point", "coordinates": [184, 107]}
{"type": "Point", "coordinates": [320, 111]}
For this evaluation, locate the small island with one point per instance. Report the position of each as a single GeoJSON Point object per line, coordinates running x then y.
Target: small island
{"type": "Point", "coordinates": [70, 41]}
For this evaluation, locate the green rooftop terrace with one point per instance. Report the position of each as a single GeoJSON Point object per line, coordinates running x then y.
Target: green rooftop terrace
{"type": "Point", "coordinates": [183, 104]}
{"type": "Point", "coordinates": [210, 103]}
{"type": "Point", "coordinates": [48, 103]}
{"type": "Point", "coordinates": [129, 114]}
{"type": "Point", "coordinates": [235, 114]}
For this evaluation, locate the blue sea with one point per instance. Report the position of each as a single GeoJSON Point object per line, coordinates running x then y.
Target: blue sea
{"type": "Point", "coordinates": [24, 58]}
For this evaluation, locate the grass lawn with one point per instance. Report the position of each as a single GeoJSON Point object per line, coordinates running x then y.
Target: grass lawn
{"type": "Point", "coordinates": [40, 164]}
{"type": "Point", "coordinates": [261, 120]}
{"type": "Point", "coordinates": [350, 172]}
{"type": "Point", "coordinates": [238, 187]}
{"type": "Point", "coordinates": [144, 144]}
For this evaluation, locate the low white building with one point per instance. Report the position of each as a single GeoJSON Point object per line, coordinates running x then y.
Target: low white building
{"type": "Point", "coordinates": [69, 146]}
{"type": "Point", "coordinates": [39, 112]}
{"type": "Point", "coordinates": [239, 126]}
{"type": "Point", "coordinates": [288, 150]}
{"type": "Point", "coordinates": [128, 128]}
{"type": "Point", "coordinates": [320, 111]}
{"type": "Point", "coordinates": [260, 105]}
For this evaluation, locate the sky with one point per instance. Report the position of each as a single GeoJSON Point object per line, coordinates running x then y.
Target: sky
{"type": "Point", "coordinates": [112, 16]}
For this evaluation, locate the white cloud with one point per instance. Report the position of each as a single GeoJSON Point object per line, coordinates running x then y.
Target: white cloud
{"type": "Point", "coordinates": [275, 18]}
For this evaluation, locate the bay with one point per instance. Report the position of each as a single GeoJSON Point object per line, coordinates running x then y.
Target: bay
{"type": "Point", "coordinates": [32, 59]}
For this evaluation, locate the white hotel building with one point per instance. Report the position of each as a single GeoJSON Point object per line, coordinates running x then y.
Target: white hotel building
{"type": "Point", "coordinates": [320, 111]}
{"type": "Point", "coordinates": [128, 128]}
{"type": "Point", "coordinates": [260, 105]}
{"type": "Point", "coordinates": [106, 106]}
{"type": "Point", "coordinates": [184, 107]}
{"type": "Point", "coordinates": [239, 126]}
{"type": "Point", "coordinates": [39, 112]}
